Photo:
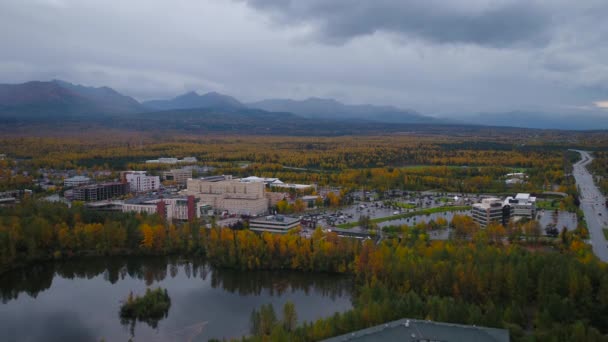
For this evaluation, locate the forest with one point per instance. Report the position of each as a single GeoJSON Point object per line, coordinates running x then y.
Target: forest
{"type": "Point", "coordinates": [408, 162]}
{"type": "Point", "coordinates": [539, 291]}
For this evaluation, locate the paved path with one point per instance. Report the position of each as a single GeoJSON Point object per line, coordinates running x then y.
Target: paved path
{"type": "Point", "coordinates": [593, 205]}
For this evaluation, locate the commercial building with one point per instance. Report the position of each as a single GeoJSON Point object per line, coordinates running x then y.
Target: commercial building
{"type": "Point", "coordinates": [489, 210]}
{"type": "Point", "coordinates": [13, 196]}
{"type": "Point", "coordinates": [276, 183]}
{"type": "Point", "coordinates": [179, 176]}
{"type": "Point", "coordinates": [310, 200]}
{"type": "Point", "coordinates": [279, 184]}
{"type": "Point", "coordinates": [175, 208]}
{"type": "Point", "coordinates": [140, 182]}
{"type": "Point", "coordinates": [521, 206]}
{"type": "Point", "coordinates": [413, 330]}
{"type": "Point", "coordinates": [99, 192]}
{"type": "Point", "coordinates": [76, 181]}
{"type": "Point", "coordinates": [274, 224]}
{"type": "Point", "coordinates": [226, 194]}
{"type": "Point", "coordinates": [497, 210]}
{"type": "Point", "coordinates": [186, 160]}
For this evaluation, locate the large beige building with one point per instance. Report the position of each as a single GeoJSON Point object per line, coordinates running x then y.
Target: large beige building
{"type": "Point", "coordinates": [180, 176]}
{"type": "Point", "coordinates": [226, 194]}
{"type": "Point", "coordinates": [489, 210]}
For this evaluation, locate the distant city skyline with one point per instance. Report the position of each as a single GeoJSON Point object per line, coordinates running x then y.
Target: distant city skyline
{"type": "Point", "coordinates": [429, 56]}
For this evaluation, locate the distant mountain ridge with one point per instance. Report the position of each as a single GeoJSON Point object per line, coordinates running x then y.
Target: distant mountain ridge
{"type": "Point", "coordinates": [193, 100]}
{"type": "Point", "coordinates": [322, 108]}
{"type": "Point", "coordinates": [56, 100]}
{"type": "Point", "coordinates": [38, 99]}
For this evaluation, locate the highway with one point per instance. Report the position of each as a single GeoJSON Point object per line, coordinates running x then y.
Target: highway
{"type": "Point", "coordinates": [593, 205]}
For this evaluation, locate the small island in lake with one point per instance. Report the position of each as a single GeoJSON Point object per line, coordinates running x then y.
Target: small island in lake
{"type": "Point", "coordinates": [150, 308]}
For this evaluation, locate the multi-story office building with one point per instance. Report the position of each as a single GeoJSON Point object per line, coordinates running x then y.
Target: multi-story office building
{"type": "Point", "coordinates": [180, 176]}
{"type": "Point", "coordinates": [489, 210]}
{"type": "Point", "coordinates": [521, 206]}
{"type": "Point", "coordinates": [274, 224]}
{"type": "Point", "coordinates": [140, 182]}
{"type": "Point", "coordinates": [495, 209]}
{"type": "Point", "coordinates": [99, 192]}
{"type": "Point", "coordinates": [76, 181]}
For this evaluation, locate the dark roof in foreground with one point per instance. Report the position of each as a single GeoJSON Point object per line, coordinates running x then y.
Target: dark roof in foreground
{"type": "Point", "coordinates": [424, 331]}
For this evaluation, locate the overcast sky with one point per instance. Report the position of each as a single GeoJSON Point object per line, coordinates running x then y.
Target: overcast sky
{"type": "Point", "coordinates": [434, 56]}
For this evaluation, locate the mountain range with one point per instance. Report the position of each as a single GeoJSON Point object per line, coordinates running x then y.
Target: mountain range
{"type": "Point", "coordinates": [39, 101]}
{"type": "Point", "coordinates": [57, 98]}
{"type": "Point", "coordinates": [43, 100]}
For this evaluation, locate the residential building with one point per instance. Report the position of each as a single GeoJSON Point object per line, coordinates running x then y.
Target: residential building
{"type": "Point", "coordinates": [521, 206]}
{"type": "Point", "coordinates": [489, 210]}
{"type": "Point", "coordinates": [101, 191]}
{"type": "Point", "coordinates": [76, 181]}
{"type": "Point", "coordinates": [179, 176]}
{"type": "Point", "coordinates": [140, 182]}
{"type": "Point", "coordinates": [226, 194]}
{"type": "Point", "coordinates": [413, 330]}
{"type": "Point", "coordinates": [274, 224]}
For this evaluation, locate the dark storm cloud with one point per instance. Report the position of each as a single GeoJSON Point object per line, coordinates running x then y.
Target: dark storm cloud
{"type": "Point", "coordinates": [436, 56]}
{"type": "Point", "coordinates": [495, 25]}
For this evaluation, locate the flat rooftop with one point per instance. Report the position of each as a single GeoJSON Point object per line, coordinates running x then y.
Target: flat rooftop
{"type": "Point", "coordinates": [411, 330]}
{"type": "Point", "coordinates": [276, 218]}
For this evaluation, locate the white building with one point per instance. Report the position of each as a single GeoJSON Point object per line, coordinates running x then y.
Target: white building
{"type": "Point", "coordinates": [140, 182]}
{"type": "Point", "coordinates": [521, 206]}
{"type": "Point", "coordinates": [186, 160]}
{"type": "Point", "coordinates": [274, 224]}
{"type": "Point", "coordinates": [279, 184]}
{"type": "Point", "coordinates": [76, 181]}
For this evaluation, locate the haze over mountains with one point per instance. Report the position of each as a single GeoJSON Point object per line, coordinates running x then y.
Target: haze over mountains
{"type": "Point", "coordinates": [53, 100]}
{"type": "Point", "coordinates": [58, 98]}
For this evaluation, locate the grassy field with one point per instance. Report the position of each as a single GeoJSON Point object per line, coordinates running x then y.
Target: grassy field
{"type": "Point", "coordinates": [605, 233]}
{"type": "Point", "coordinates": [408, 215]}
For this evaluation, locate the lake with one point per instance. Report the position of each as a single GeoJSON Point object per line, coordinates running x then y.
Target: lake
{"type": "Point", "coordinates": [79, 300]}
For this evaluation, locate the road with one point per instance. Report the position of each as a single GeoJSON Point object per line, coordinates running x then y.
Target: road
{"type": "Point", "coordinates": [593, 205]}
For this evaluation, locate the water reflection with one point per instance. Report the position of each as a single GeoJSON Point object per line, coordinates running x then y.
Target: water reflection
{"type": "Point", "coordinates": [38, 278]}
{"type": "Point", "coordinates": [206, 302]}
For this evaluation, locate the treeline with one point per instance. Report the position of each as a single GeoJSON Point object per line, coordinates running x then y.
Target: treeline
{"type": "Point", "coordinates": [538, 296]}
{"type": "Point", "coordinates": [599, 167]}
{"type": "Point", "coordinates": [43, 230]}
{"type": "Point", "coordinates": [320, 153]}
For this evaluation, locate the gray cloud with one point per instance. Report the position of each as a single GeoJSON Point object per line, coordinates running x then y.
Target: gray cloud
{"type": "Point", "coordinates": [435, 56]}
{"type": "Point", "coordinates": [497, 24]}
